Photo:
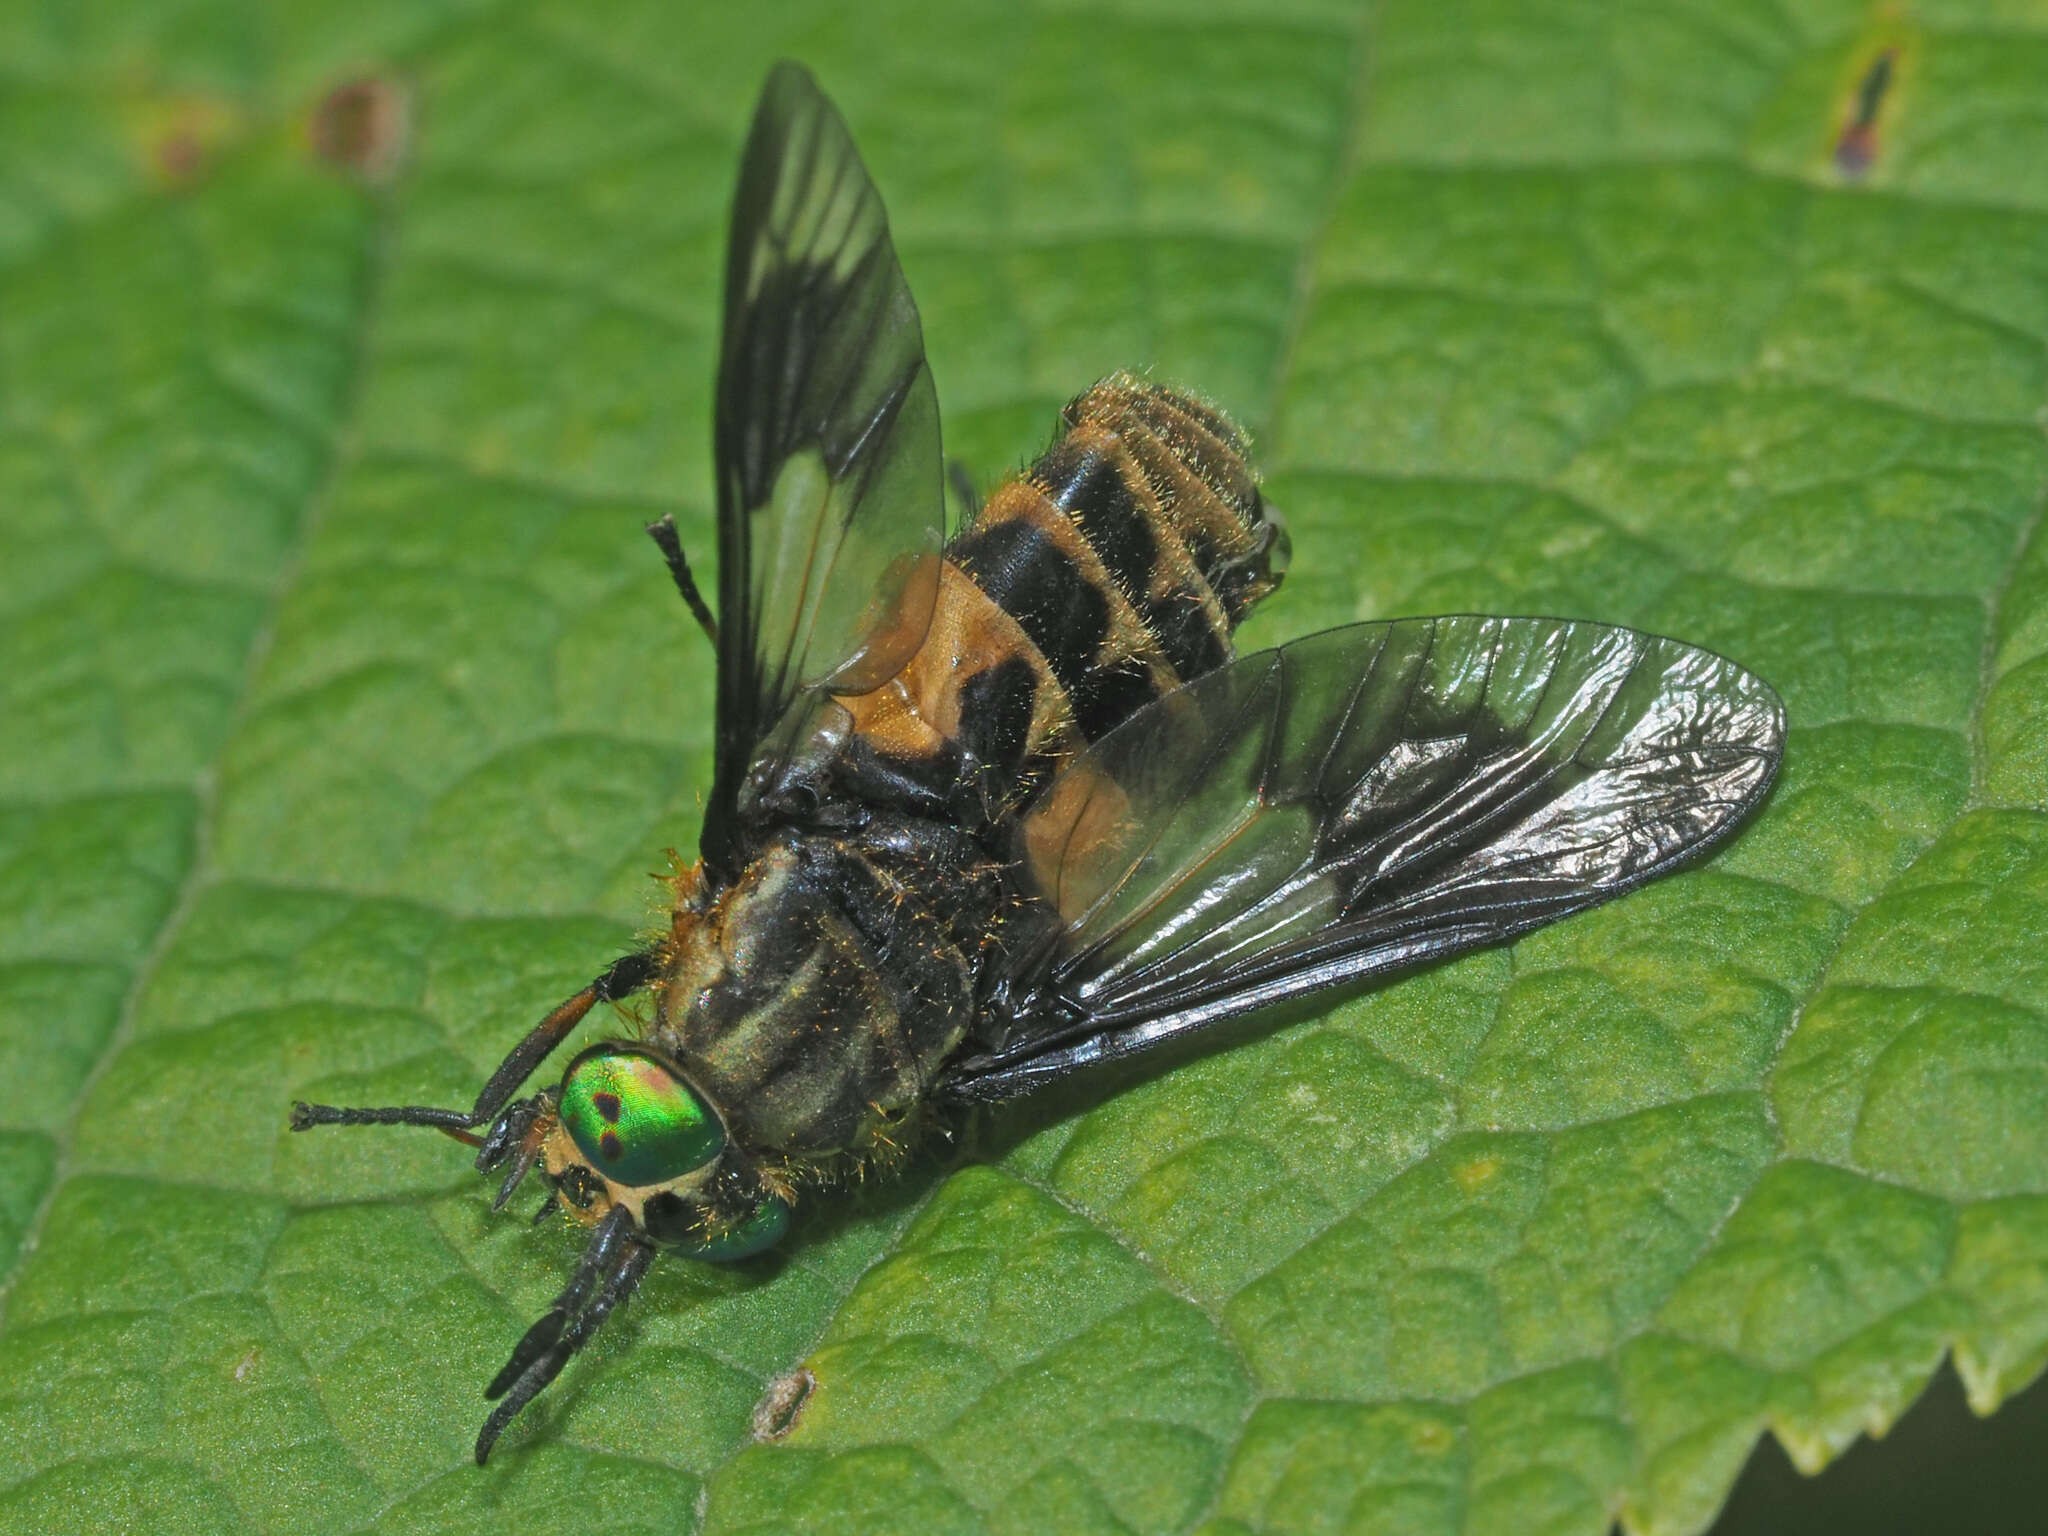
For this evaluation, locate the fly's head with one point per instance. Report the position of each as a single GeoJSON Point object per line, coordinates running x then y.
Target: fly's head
{"type": "Point", "coordinates": [632, 1146]}
{"type": "Point", "coordinates": [632, 1130]}
{"type": "Point", "coordinates": [626, 1129]}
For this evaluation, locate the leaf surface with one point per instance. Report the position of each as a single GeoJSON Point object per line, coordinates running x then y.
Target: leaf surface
{"type": "Point", "coordinates": [349, 711]}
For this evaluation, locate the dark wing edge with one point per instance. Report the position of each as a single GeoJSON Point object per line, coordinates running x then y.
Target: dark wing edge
{"type": "Point", "coordinates": [1358, 802]}
{"type": "Point", "coordinates": [831, 501]}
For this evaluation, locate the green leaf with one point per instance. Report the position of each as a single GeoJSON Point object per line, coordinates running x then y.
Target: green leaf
{"type": "Point", "coordinates": [349, 710]}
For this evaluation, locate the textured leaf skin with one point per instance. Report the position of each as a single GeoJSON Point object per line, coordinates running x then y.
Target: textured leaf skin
{"type": "Point", "coordinates": [348, 710]}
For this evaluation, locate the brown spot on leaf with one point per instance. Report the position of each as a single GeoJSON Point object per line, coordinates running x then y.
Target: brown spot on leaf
{"type": "Point", "coordinates": [364, 126]}
{"type": "Point", "coordinates": [1856, 147]}
{"type": "Point", "coordinates": [180, 157]}
{"type": "Point", "coordinates": [184, 137]}
{"type": "Point", "coordinates": [779, 1410]}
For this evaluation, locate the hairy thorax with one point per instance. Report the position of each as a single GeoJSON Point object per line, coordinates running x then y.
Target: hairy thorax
{"type": "Point", "coordinates": [815, 999]}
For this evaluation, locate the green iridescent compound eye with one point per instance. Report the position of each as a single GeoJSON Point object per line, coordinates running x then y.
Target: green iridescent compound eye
{"type": "Point", "coordinates": [757, 1234]}
{"type": "Point", "coordinates": [635, 1120]}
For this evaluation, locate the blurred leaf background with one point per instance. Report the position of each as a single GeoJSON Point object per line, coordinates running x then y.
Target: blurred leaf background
{"type": "Point", "coordinates": [347, 710]}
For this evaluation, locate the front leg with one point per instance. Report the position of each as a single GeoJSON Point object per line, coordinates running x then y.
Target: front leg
{"type": "Point", "coordinates": [626, 976]}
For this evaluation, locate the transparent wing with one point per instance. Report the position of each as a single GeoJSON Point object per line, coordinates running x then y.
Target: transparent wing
{"type": "Point", "coordinates": [831, 505]}
{"type": "Point", "coordinates": [1359, 801]}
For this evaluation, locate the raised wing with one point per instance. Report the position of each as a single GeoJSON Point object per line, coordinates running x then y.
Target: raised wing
{"type": "Point", "coordinates": [1359, 801]}
{"type": "Point", "coordinates": [831, 505]}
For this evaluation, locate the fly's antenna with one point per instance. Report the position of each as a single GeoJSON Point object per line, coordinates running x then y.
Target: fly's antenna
{"type": "Point", "coordinates": [663, 531]}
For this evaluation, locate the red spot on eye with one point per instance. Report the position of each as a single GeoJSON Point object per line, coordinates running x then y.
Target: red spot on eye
{"type": "Point", "coordinates": [607, 1105]}
{"type": "Point", "coordinates": [609, 1145]}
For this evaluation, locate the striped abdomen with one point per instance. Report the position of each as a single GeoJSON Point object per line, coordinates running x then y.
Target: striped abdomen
{"type": "Point", "coordinates": [1109, 573]}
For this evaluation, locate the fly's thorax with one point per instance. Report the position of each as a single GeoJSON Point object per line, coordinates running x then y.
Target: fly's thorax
{"type": "Point", "coordinates": [816, 998]}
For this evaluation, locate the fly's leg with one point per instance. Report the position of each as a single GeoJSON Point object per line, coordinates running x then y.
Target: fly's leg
{"type": "Point", "coordinates": [510, 1126]}
{"type": "Point", "coordinates": [613, 1264]}
{"type": "Point", "coordinates": [961, 483]}
{"type": "Point", "coordinates": [544, 1334]}
{"type": "Point", "coordinates": [627, 976]}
